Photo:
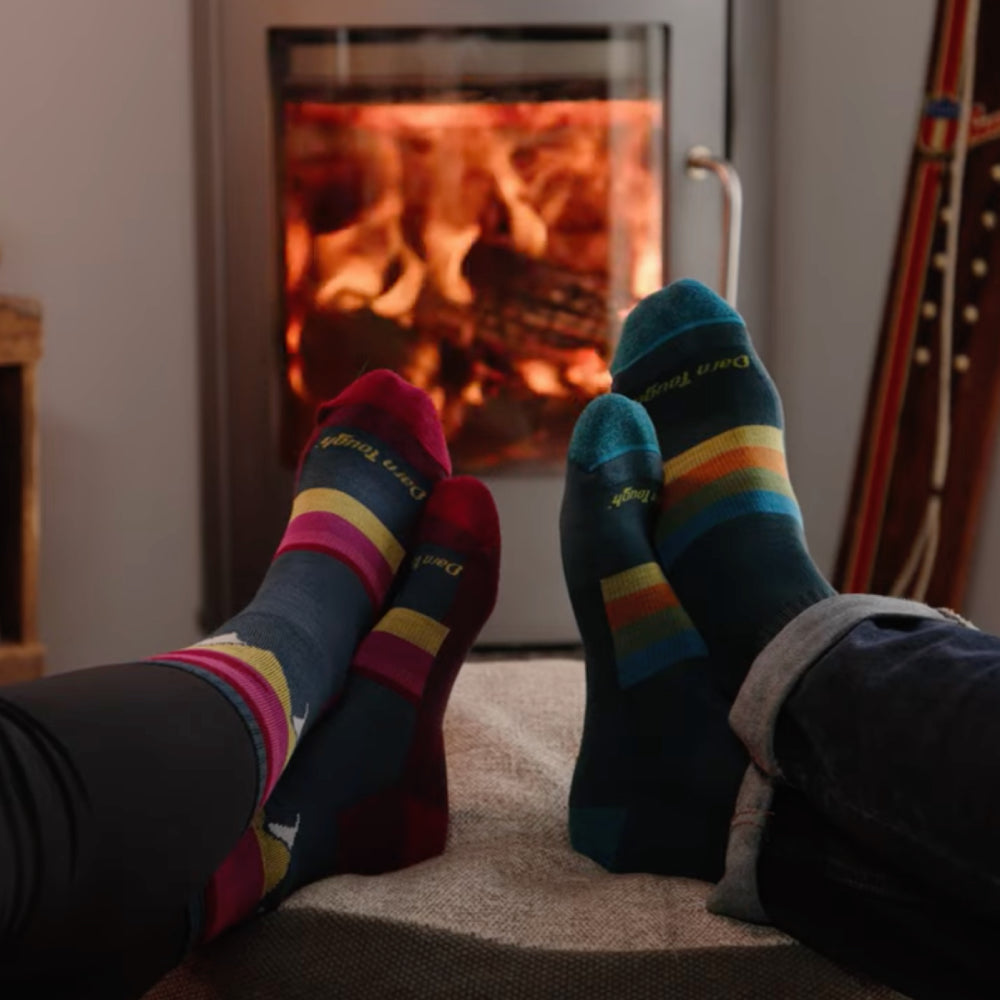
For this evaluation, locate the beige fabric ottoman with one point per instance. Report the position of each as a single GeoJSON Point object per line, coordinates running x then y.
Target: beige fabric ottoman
{"type": "Point", "coordinates": [509, 910]}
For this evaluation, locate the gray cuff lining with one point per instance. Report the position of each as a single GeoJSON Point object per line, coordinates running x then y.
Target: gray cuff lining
{"type": "Point", "coordinates": [753, 717]}
{"type": "Point", "coordinates": [736, 895]}
{"type": "Point", "coordinates": [789, 655]}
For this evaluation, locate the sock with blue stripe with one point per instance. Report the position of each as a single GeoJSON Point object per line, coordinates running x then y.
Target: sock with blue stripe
{"type": "Point", "coordinates": [367, 791]}
{"type": "Point", "coordinates": [376, 454]}
{"type": "Point", "coordinates": [729, 535]}
{"type": "Point", "coordinates": [658, 770]}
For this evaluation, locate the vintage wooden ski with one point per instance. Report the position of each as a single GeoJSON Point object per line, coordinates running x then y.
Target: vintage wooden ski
{"type": "Point", "coordinates": [933, 403]}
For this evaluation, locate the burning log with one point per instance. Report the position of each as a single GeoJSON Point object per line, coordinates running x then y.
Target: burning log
{"type": "Point", "coordinates": [510, 371]}
{"type": "Point", "coordinates": [468, 247]}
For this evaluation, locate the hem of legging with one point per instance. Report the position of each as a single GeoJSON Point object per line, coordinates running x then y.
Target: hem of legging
{"type": "Point", "coordinates": [772, 676]}
{"type": "Point", "coordinates": [242, 710]}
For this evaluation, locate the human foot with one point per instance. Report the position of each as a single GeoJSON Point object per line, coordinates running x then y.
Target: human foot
{"type": "Point", "coordinates": [729, 535]}
{"type": "Point", "coordinates": [376, 454]}
{"type": "Point", "coordinates": [658, 769]}
{"type": "Point", "coordinates": [367, 792]}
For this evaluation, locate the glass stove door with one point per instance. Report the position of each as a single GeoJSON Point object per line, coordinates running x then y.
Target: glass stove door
{"type": "Point", "coordinates": [504, 301]}
{"type": "Point", "coordinates": [474, 208]}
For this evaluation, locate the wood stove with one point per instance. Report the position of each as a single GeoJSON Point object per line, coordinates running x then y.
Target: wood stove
{"type": "Point", "coordinates": [471, 194]}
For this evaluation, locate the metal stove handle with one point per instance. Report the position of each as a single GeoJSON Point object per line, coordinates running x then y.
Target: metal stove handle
{"type": "Point", "coordinates": [700, 163]}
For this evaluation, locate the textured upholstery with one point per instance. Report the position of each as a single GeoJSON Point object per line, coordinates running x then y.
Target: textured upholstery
{"type": "Point", "coordinates": [509, 910]}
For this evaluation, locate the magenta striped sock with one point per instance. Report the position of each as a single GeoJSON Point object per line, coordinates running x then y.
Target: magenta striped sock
{"type": "Point", "coordinates": [360, 491]}
{"type": "Point", "coordinates": [368, 790]}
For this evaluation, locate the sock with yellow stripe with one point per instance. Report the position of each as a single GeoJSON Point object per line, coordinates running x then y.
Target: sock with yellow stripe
{"type": "Point", "coordinates": [367, 792]}
{"type": "Point", "coordinates": [362, 482]}
{"type": "Point", "coordinates": [658, 769]}
{"type": "Point", "coordinates": [729, 535]}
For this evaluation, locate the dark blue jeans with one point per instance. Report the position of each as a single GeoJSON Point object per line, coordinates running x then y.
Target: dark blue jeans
{"type": "Point", "coordinates": [881, 842]}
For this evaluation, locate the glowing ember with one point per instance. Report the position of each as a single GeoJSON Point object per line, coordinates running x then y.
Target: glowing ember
{"type": "Point", "coordinates": [485, 251]}
{"type": "Point", "coordinates": [293, 336]}
{"type": "Point", "coordinates": [542, 377]}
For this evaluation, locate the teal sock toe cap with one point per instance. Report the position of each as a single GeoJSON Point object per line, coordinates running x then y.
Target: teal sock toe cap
{"type": "Point", "coordinates": [610, 426]}
{"type": "Point", "coordinates": [681, 306]}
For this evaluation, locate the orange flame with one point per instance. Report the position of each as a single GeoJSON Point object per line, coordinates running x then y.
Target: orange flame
{"type": "Point", "coordinates": [463, 166]}
{"type": "Point", "coordinates": [388, 205]}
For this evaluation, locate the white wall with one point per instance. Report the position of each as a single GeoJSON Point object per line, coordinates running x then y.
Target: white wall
{"type": "Point", "coordinates": [849, 79]}
{"type": "Point", "coordinates": [96, 220]}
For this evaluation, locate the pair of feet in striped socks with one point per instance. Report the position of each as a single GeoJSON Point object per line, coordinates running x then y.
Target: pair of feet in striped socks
{"type": "Point", "coordinates": [342, 664]}
{"type": "Point", "coordinates": [679, 474]}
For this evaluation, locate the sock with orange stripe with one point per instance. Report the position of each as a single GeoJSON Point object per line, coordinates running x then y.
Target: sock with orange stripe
{"type": "Point", "coordinates": [729, 535]}
{"type": "Point", "coordinates": [658, 769]}
{"type": "Point", "coordinates": [376, 454]}
{"type": "Point", "coordinates": [367, 792]}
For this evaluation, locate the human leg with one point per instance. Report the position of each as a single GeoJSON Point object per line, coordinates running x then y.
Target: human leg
{"type": "Point", "coordinates": [362, 482]}
{"type": "Point", "coordinates": [892, 734]}
{"type": "Point", "coordinates": [886, 795]}
{"type": "Point", "coordinates": [729, 532]}
{"type": "Point", "coordinates": [658, 768]}
{"type": "Point", "coordinates": [874, 737]}
{"type": "Point", "coordinates": [122, 788]}
{"type": "Point", "coordinates": [127, 785]}
{"type": "Point", "coordinates": [368, 791]}
{"type": "Point", "coordinates": [851, 904]}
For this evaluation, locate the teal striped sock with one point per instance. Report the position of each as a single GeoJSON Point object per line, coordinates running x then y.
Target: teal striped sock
{"type": "Point", "coordinates": [730, 534]}
{"type": "Point", "coordinates": [658, 769]}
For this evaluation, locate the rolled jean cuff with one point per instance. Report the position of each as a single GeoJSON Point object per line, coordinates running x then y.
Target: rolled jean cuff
{"type": "Point", "coordinates": [772, 677]}
{"type": "Point", "coordinates": [784, 660]}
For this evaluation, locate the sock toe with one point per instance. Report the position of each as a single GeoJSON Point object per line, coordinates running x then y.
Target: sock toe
{"type": "Point", "coordinates": [611, 426]}
{"type": "Point", "coordinates": [466, 507]}
{"type": "Point", "coordinates": [406, 406]}
{"type": "Point", "coordinates": [681, 306]}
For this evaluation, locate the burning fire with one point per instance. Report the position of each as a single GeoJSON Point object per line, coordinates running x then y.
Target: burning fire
{"type": "Point", "coordinates": [493, 246]}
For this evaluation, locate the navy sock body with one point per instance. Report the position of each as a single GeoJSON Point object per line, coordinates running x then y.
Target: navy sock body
{"type": "Point", "coordinates": [658, 769]}
{"type": "Point", "coordinates": [729, 534]}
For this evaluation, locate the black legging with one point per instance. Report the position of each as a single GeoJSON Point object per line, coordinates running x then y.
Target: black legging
{"type": "Point", "coordinates": [122, 788]}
